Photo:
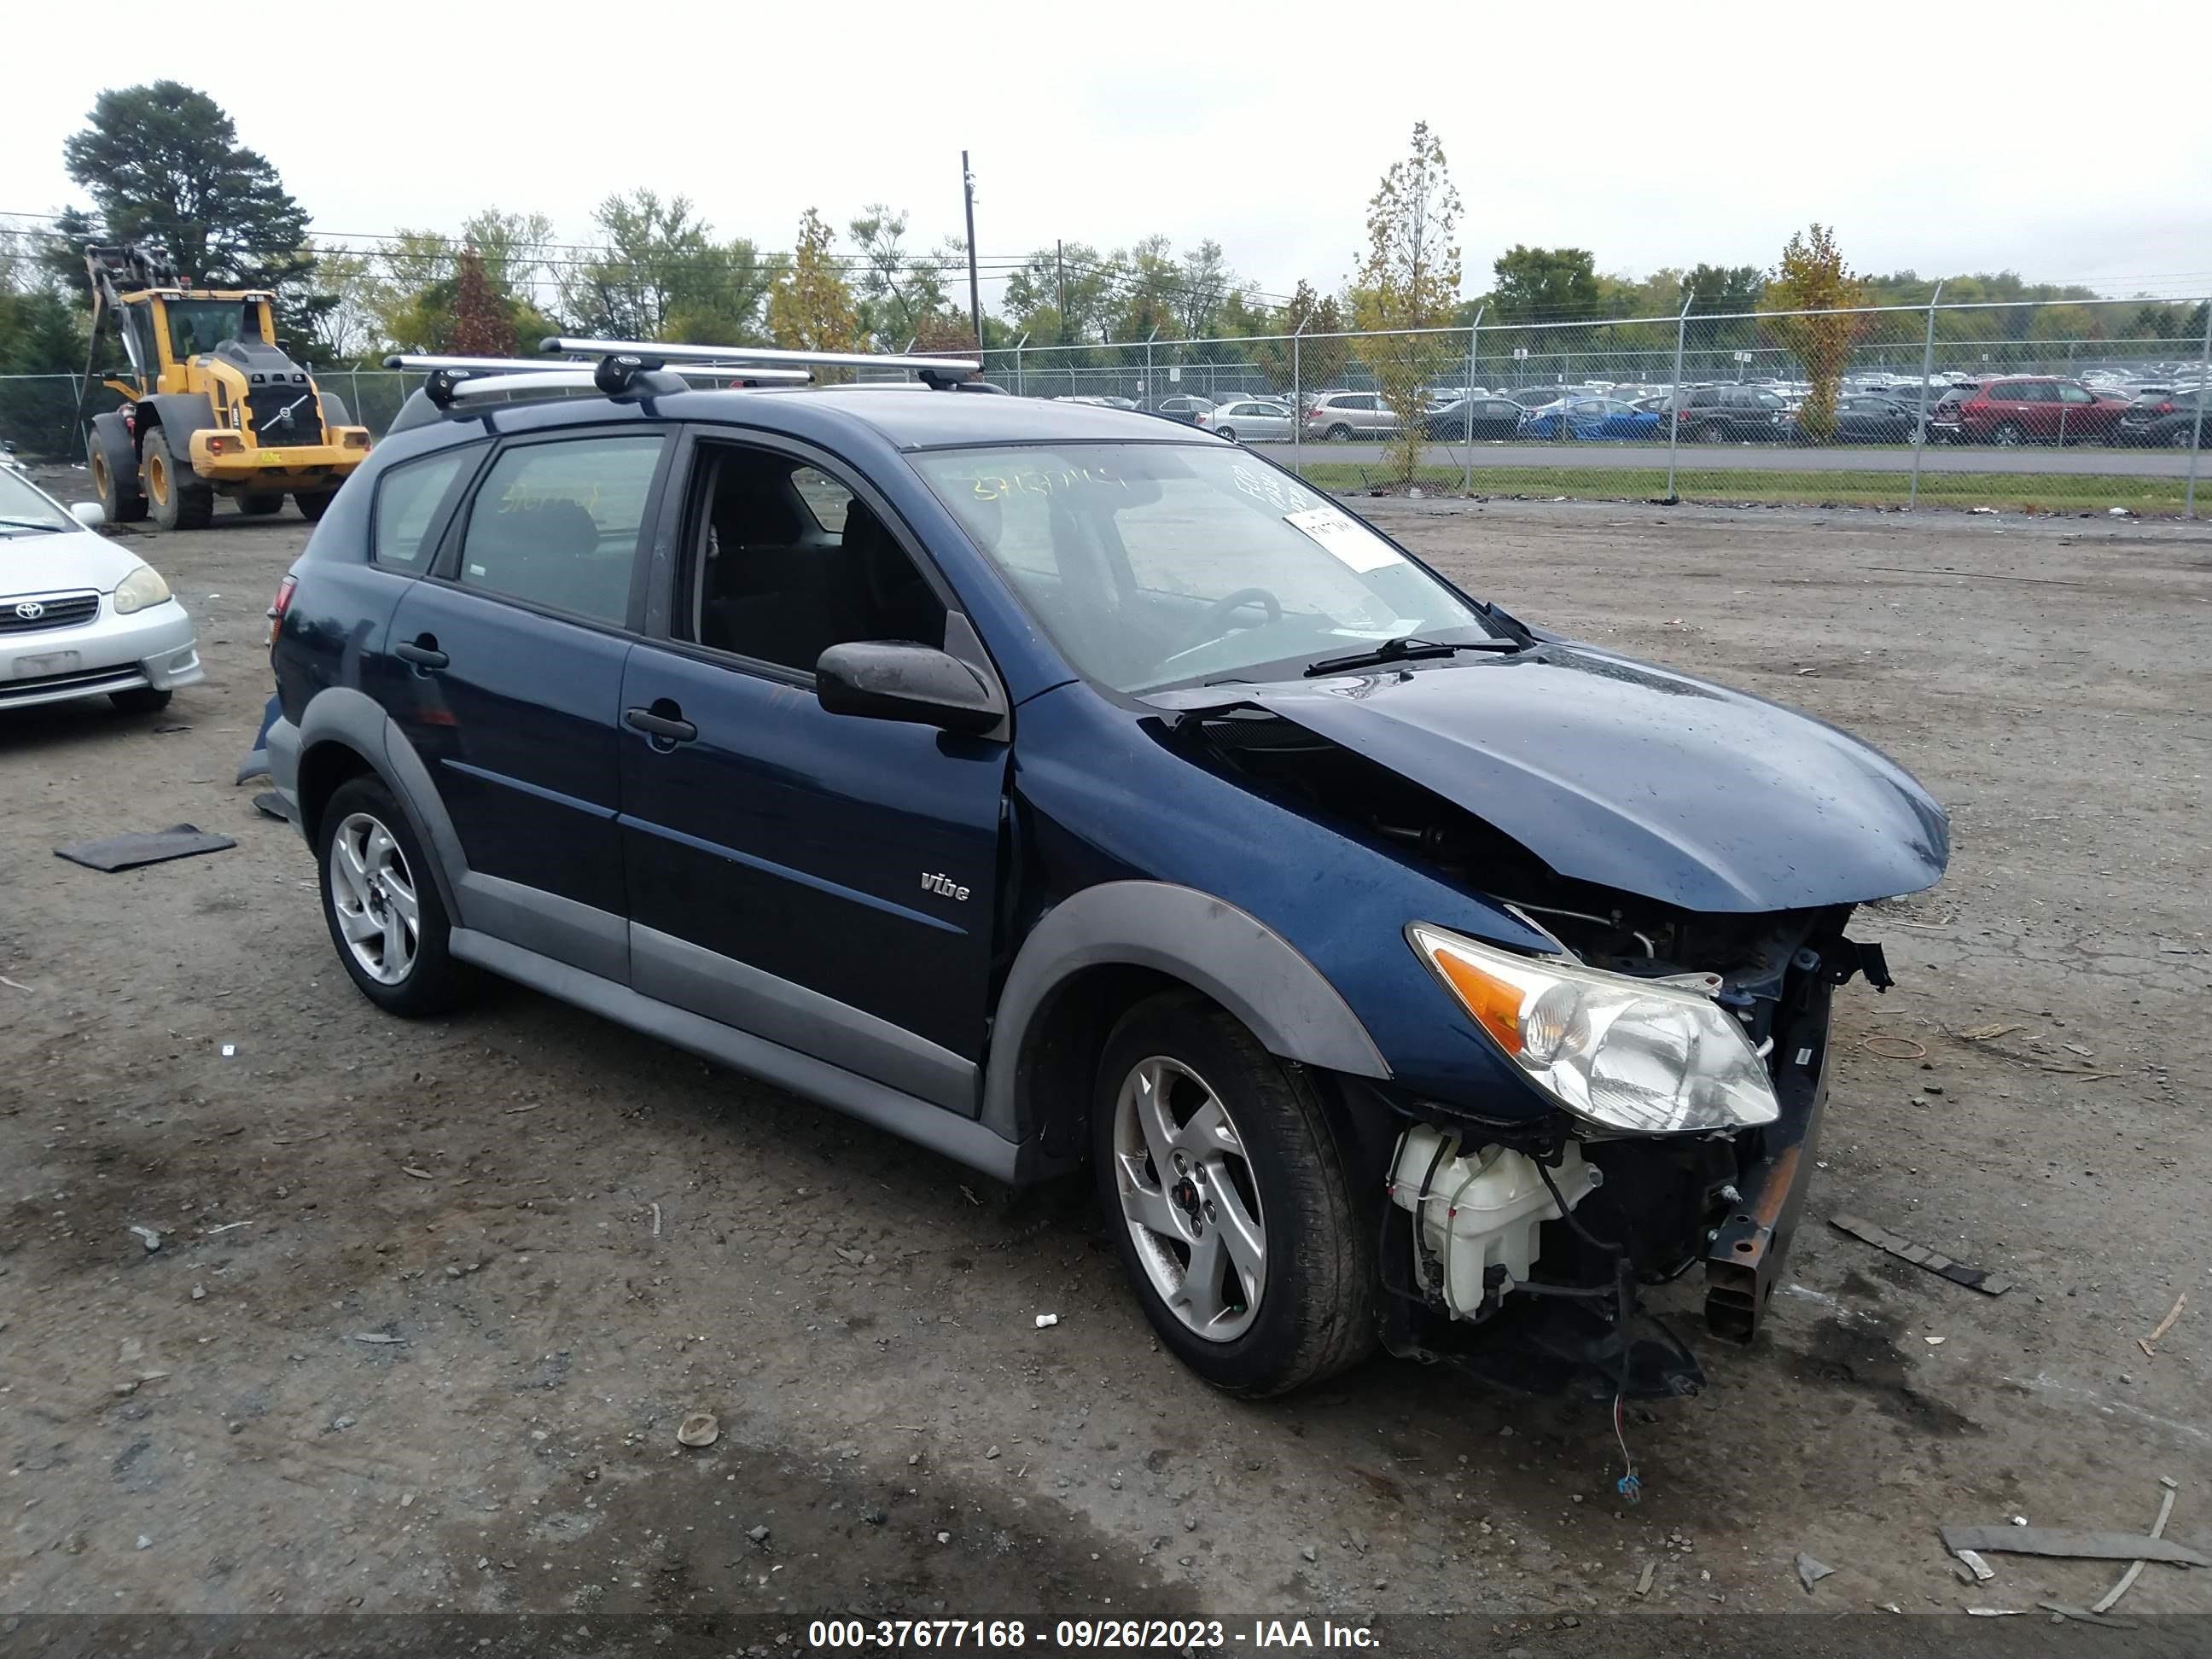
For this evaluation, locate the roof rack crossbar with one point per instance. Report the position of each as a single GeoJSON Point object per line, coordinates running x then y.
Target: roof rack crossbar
{"type": "Point", "coordinates": [766, 355]}
{"type": "Point", "coordinates": [427, 364]}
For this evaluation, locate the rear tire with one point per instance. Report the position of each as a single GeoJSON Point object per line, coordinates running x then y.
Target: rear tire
{"type": "Point", "coordinates": [1228, 432]}
{"type": "Point", "coordinates": [1711, 433]}
{"type": "Point", "coordinates": [373, 872]}
{"type": "Point", "coordinates": [140, 700]}
{"type": "Point", "coordinates": [180, 500]}
{"type": "Point", "coordinates": [260, 506]}
{"type": "Point", "coordinates": [312, 507]}
{"type": "Point", "coordinates": [1285, 1221]}
{"type": "Point", "coordinates": [1338, 435]}
{"type": "Point", "coordinates": [2008, 435]}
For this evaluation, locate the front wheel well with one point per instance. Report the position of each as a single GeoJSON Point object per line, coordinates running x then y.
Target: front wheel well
{"type": "Point", "coordinates": [323, 768]}
{"type": "Point", "coordinates": [1057, 1071]}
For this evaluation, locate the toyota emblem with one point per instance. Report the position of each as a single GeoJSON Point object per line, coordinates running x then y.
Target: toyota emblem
{"type": "Point", "coordinates": [30, 610]}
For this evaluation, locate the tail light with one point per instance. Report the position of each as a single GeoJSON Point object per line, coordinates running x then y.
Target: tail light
{"type": "Point", "coordinates": [278, 606]}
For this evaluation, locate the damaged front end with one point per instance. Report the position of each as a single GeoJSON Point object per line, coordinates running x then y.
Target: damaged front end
{"type": "Point", "coordinates": [1674, 1043]}
{"type": "Point", "coordinates": [1548, 1230]}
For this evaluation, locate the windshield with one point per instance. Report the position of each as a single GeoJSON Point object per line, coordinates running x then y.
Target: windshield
{"type": "Point", "coordinates": [1160, 564]}
{"type": "Point", "coordinates": [199, 326]}
{"type": "Point", "coordinates": [26, 508]}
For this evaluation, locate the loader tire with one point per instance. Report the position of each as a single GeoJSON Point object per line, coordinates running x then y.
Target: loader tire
{"type": "Point", "coordinates": [180, 500]}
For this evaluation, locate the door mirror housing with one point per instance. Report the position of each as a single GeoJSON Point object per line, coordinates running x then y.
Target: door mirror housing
{"type": "Point", "coordinates": [90, 514]}
{"type": "Point", "coordinates": [899, 680]}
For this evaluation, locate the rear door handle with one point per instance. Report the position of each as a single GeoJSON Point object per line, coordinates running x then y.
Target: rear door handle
{"type": "Point", "coordinates": [423, 651]}
{"type": "Point", "coordinates": [671, 728]}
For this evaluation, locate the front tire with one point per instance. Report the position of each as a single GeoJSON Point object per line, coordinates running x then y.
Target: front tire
{"type": "Point", "coordinates": [180, 500]}
{"type": "Point", "coordinates": [1227, 1200]}
{"type": "Point", "coordinates": [312, 507]}
{"type": "Point", "coordinates": [382, 904]}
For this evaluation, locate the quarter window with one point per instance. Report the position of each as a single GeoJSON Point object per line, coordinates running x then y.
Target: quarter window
{"type": "Point", "coordinates": [556, 524]}
{"type": "Point", "coordinates": [407, 499]}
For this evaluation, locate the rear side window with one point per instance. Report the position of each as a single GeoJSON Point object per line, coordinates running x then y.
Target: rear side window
{"type": "Point", "coordinates": [407, 501]}
{"type": "Point", "coordinates": [556, 524]}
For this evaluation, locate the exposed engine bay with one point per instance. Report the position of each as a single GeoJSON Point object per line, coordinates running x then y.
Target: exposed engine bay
{"type": "Point", "coordinates": [1553, 1225]}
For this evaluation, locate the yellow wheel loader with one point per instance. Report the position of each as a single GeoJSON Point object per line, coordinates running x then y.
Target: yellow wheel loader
{"type": "Point", "coordinates": [212, 407]}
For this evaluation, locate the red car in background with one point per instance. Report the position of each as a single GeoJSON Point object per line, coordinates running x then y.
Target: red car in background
{"type": "Point", "coordinates": [2029, 411]}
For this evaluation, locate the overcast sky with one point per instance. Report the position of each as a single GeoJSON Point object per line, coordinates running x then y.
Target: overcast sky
{"type": "Point", "coordinates": [1264, 126]}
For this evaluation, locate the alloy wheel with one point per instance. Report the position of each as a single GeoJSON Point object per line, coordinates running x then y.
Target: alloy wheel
{"type": "Point", "coordinates": [372, 895]}
{"type": "Point", "coordinates": [1189, 1198]}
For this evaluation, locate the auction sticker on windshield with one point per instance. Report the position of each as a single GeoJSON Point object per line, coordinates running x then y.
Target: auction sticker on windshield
{"type": "Point", "coordinates": [1347, 540]}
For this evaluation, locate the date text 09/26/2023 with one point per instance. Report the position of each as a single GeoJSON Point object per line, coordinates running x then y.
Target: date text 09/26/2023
{"type": "Point", "coordinates": [1170, 1635]}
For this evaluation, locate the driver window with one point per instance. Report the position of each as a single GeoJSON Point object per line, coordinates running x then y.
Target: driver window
{"type": "Point", "coordinates": [787, 563]}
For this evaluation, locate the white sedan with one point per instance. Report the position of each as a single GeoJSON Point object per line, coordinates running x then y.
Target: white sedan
{"type": "Point", "coordinates": [81, 615]}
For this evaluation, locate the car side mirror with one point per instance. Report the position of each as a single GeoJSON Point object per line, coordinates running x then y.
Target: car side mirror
{"type": "Point", "coordinates": [897, 680]}
{"type": "Point", "coordinates": [90, 514]}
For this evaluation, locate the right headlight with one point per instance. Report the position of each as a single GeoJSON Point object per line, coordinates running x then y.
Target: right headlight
{"type": "Point", "coordinates": [1631, 1054]}
{"type": "Point", "coordinates": [141, 587]}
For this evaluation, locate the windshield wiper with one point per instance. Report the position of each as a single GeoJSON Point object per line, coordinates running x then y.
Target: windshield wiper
{"type": "Point", "coordinates": [1406, 647]}
{"type": "Point", "coordinates": [29, 524]}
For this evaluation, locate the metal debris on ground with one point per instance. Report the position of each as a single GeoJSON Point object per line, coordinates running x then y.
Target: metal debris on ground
{"type": "Point", "coordinates": [2080, 1543]}
{"type": "Point", "coordinates": [1986, 1033]}
{"type": "Point", "coordinates": [2105, 1602]}
{"type": "Point", "coordinates": [378, 1337]}
{"type": "Point", "coordinates": [114, 852]}
{"type": "Point", "coordinates": [1982, 1571]}
{"type": "Point", "coordinates": [2087, 1617]}
{"type": "Point", "coordinates": [16, 985]}
{"type": "Point", "coordinates": [1650, 1570]}
{"type": "Point", "coordinates": [1996, 1612]}
{"type": "Point", "coordinates": [1046, 1320]}
{"type": "Point", "coordinates": [147, 1236]}
{"type": "Point", "coordinates": [419, 1175]}
{"type": "Point", "coordinates": [1974, 1279]}
{"type": "Point", "coordinates": [699, 1429]}
{"type": "Point", "coordinates": [271, 805]}
{"type": "Point", "coordinates": [1811, 1572]}
{"type": "Point", "coordinates": [1905, 1048]}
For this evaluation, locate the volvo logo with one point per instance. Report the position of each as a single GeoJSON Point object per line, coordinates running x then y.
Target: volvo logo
{"type": "Point", "coordinates": [30, 610]}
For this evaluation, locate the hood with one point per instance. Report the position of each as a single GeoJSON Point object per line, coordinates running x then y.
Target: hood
{"type": "Point", "coordinates": [1614, 772]}
{"type": "Point", "coordinates": [31, 564]}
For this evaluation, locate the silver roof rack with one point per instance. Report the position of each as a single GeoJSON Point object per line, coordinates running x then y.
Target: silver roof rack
{"type": "Point", "coordinates": [452, 378]}
{"type": "Point", "coordinates": [935, 371]}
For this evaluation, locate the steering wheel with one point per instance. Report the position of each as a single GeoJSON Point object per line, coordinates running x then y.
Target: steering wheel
{"type": "Point", "coordinates": [1215, 622]}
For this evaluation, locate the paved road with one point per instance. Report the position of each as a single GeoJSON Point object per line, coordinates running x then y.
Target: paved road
{"type": "Point", "coordinates": [1756, 458]}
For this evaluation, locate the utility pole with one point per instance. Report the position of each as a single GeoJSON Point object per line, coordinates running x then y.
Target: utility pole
{"type": "Point", "coordinates": [1060, 262]}
{"type": "Point", "coordinates": [974, 288]}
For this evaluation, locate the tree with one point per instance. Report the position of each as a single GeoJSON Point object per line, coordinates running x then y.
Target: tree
{"type": "Point", "coordinates": [482, 324]}
{"type": "Point", "coordinates": [1409, 280]}
{"type": "Point", "coordinates": [1305, 312]}
{"type": "Point", "coordinates": [1544, 284]}
{"type": "Point", "coordinates": [413, 297]}
{"type": "Point", "coordinates": [163, 163]}
{"type": "Point", "coordinates": [1813, 278]}
{"type": "Point", "coordinates": [811, 308]}
{"type": "Point", "coordinates": [1206, 282]}
{"type": "Point", "coordinates": [1150, 281]}
{"type": "Point", "coordinates": [661, 276]}
{"type": "Point", "coordinates": [349, 330]}
{"type": "Point", "coordinates": [1063, 295]}
{"type": "Point", "coordinates": [900, 292]}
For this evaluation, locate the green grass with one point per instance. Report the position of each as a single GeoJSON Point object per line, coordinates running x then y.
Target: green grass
{"type": "Point", "coordinates": [2010, 491]}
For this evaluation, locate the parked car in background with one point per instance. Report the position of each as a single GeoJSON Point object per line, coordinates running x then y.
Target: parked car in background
{"type": "Point", "coordinates": [1493, 417]}
{"type": "Point", "coordinates": [7, 460]}
{"type": "Point", "coordinates": [1188, 408]}
{"type": "Point", "coordinates": [1534, 397]}
{"type": "Point", "coordinates": [1868, 419]}
{"type": "Point", "coordinates": [82, 616]}
{"type": "Point", "coordinates": [2034, 410]}
{"type": "Point", "coordinates": [1735, 414]}
{"type": "Point", "coordinates": [1594, 418]}
{"type": "Point", "coordinates": [1099, 400]}
{"type": "Point", "coordinates": [1253, 420]}
{"type": "Point", "coordinates": [1339, 417]}
{"type": "Point", "coordinates": [2165, 420]}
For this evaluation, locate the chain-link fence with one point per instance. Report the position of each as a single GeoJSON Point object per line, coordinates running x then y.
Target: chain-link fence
{"type": "Point", "coordinates": [2067, 406]}
{"type": "Point", "coordinates": [2073, 406]}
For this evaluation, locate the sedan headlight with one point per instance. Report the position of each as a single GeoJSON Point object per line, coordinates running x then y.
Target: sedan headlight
{"type": "Point", "coordinates": [1625, 1053]}
{"type": "Point", "coordinates": [141, 587]}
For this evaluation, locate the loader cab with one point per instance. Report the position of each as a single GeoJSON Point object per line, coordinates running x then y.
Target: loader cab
{"type": "Point", "coordinates": [184, 327]}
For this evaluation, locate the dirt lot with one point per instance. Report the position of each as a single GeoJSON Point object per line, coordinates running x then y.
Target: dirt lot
{"type": "Point", "coordinates": [561, 1238]}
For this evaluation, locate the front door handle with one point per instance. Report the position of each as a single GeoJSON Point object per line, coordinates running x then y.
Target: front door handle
{"type": "Point", "coordinates": [423, 651]}
{"type": "Point", "coordinates": [663, 722]}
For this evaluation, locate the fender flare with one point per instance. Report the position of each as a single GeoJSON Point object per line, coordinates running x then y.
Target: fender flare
{"type": "Point", "coordinates": [1205, 942]}
{"type": "Point", "coordinates": [180, 413]}
{"type": "Point", "coordinates": [342, 715]}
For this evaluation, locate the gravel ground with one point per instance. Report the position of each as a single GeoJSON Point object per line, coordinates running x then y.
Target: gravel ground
{"type": "Point", "coordinates": [431, 1300]}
